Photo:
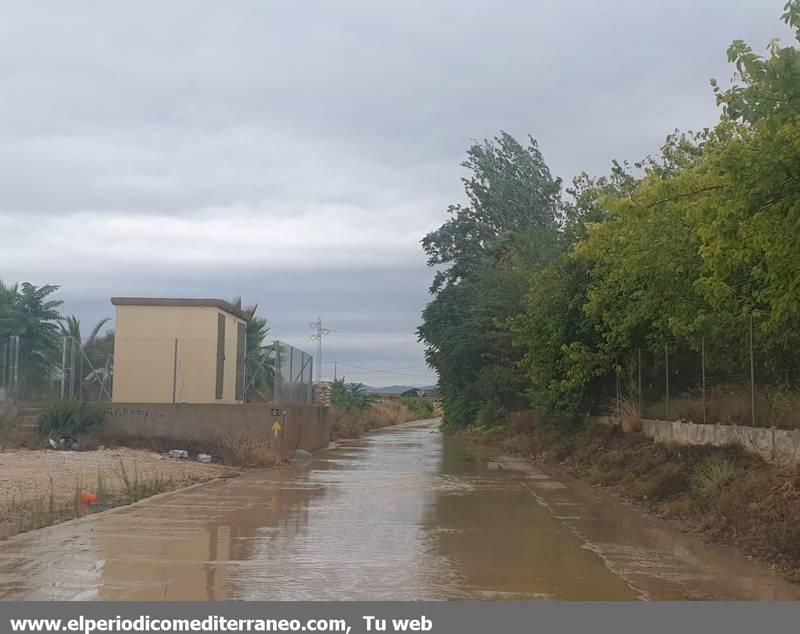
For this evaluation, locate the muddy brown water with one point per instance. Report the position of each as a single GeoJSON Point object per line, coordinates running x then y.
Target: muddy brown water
{"type": "Point", "coordinates": [406, 513]}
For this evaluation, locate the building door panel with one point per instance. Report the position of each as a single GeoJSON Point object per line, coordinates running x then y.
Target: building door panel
{"type": "Point", "coordinates": [241, 351]}
{"type": "Point", "coordinates": [220, 355]}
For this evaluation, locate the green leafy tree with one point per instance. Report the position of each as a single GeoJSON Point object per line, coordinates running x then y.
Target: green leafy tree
{"type": "Point", "coordinates": [704, 238]}
{"type": "Point", "coordinates": [484, 255]}
{"type": "Point", "coordinates": [766, 90]}
{"type": "Point", "coordinates": [561, 348]}
{"type": "Point", "coordinates": [28, 312]}
{"type": "Point", "coordinates": [8, 297]}
{"type": "Point", "coordinates": [747, 213]}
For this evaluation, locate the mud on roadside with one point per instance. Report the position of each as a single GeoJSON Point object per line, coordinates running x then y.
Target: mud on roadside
{"type": "Point", "coordinates": [42, 487]}
{"type": "Point", "coordinates": [727, 495]}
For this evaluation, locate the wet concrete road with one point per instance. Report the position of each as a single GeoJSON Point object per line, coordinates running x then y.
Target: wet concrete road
{"type": "Point", "coordinates": [403, 514]}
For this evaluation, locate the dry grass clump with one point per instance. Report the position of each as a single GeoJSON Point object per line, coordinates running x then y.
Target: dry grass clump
{"type": "Point", "coordinates": [135, 487]}
{"type": "Point", "coordinates": [352, 423]}
{"type": "Point", "coordinates": [388, 412]}
{"type": "Point", "coordinates": [347, 423]}
{"type": "Point", "coordinates": [630, 415]}
{"type": "Point", "coordinates": [241, 451]}
{"type": "Point", "coordinates": [27, 511]}
{"type": "Point", "coordinates": [730, 404]}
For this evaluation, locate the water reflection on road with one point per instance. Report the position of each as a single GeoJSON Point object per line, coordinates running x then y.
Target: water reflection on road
{"type": "Point", "coordinates": [406, 513]}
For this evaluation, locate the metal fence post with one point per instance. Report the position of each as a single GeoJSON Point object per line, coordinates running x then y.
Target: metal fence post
{"type": "Point", "coordinates": [276, 378]}
{"type": "Point", "coordinates": [68, 344]}
{"type": "Point", "coordinates": [703, 365]}
{"type": "Point", "coordinates": [3, 366]}
{"type": "Point", "coordinates": [175, 370]}
{"type": "Point", "coordinates": [292, 390]}
{"type": "Point", "coordinates": [63, 364]}
{"type": "Point", "coordinates": [641, 398]}
{"type": "Point", "coordinates": [310, 380]}
{"type": "Point", "coordinates": [13, 359]}
{"type": "Point", "coordinates": [72, 345]}
{"type": "Point", "coordinates": [666, 374]}
{"type": "Point", "coordinates": [752, 377]}
{"type": "Point", "coordinates": [80, 375]}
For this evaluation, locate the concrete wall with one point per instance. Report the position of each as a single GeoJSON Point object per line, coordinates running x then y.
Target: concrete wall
{"type": "Point", "coordinates": [305, 427]}
{"type": "Point", "coordinates": [773, 445]}
{"type": "Point", "coordinates": [145, 365]}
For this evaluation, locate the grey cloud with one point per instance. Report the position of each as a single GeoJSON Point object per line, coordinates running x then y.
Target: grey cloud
{"type": "Point", "coordinates": [295, 152]}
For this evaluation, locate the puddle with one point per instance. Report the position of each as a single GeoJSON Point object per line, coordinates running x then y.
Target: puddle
{"type": "Point", "coordinates": [405, 513]}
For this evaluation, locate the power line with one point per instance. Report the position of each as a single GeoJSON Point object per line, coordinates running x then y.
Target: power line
{"type": "Point", "coordinates": [361, 367]}
{"type": "Point", "coordinates": [405, 367]}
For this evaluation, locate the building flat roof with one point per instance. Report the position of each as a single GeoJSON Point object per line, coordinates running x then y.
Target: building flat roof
{"type": "Point", "coordinates": [181, 301]}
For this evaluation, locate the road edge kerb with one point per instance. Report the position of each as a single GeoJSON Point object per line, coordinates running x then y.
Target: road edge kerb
{"type": "Point", "coordinates": [122, 507]}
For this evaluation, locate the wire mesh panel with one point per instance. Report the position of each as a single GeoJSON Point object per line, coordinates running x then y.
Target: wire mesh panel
{"type": "Point", "coordinates": [293, 375]}
{"type": "Point", "coordinates": [31, 369]}
{"type": "Point", "coordinates": [727, 389]}
{"type": "Point", "coordinates": [731, 377]}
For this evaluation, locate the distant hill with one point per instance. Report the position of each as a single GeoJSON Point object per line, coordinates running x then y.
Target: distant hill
{"type": "Point", "coordinates": [397, 389]}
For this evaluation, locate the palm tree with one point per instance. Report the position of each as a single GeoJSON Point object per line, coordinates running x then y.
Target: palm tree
{"type": "Point", "coordinates": [8, 297]}
{"type": "Point", "coordinates": [258, 363]}
{"type": "Point", "coordinates": [351, 395]}
{"type": "Point", "coordinates": [71, 327]}
{"type": "Point", "coordinates": [26, 311]}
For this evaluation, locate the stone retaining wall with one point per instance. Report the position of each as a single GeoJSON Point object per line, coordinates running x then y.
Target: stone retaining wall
{"type": "Point", "coordinates": [773, 445]}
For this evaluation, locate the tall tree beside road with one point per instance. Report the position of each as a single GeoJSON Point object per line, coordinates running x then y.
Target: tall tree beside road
{"type": "Point", "coordinates": [483, 257]}
{"type": "Point", "coordinates": [552, 299]}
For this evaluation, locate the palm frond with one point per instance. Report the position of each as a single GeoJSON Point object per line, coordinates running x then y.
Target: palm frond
{"type": "Point", "coordinates": [96, 331]}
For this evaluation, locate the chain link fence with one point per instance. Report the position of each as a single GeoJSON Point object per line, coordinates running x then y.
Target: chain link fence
{"type": "Point", "coordinates": [52, 369]}
{"type": "Point", "coordinates": [733, 378]}
{"type": "Point", "coordinates": [294, 371]}
{"type": "Point", "coordinates": [173, 370]}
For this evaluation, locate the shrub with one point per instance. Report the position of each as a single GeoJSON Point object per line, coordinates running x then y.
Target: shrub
{"type": "Point", "coordinates": [71, 417]}
{"type": "Point", "coordinates": [491, 413]}
{"type": "Point", "coordinates": [711, 474]}
{"type": "Point", "coordinates": [420, 407]}
{"type": "Point", "coordinates": [351, 422]}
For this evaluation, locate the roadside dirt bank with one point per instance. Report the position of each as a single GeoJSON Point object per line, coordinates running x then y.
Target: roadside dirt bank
{"type": "Point", "coordinates": [42, 487]}
{"type": "Point", "coordinates": [729, 497]}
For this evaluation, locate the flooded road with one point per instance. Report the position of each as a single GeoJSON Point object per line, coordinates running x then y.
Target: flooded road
{"type": "Point", "coordinates": [406, 513]}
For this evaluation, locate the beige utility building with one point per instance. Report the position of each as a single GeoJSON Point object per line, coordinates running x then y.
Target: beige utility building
{"type": "Point", "coordinates": [169, 350]}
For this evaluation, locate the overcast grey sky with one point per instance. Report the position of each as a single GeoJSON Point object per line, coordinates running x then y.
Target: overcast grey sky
{"type": "Point", "coordinates": [295, 152]}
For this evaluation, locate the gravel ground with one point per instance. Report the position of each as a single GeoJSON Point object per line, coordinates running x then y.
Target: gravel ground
{"type": "Point", "coordinates": [30, 478]}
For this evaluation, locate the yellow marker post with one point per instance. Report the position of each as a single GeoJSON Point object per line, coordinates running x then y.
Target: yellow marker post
{"type": "Point", "coordinates": [276, 429]}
